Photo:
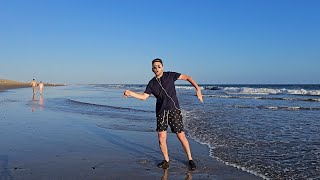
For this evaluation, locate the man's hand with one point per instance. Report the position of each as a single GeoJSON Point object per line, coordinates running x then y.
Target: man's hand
{"type": "Point", "coordinates": [199, 94]}
{"type": "Point", "coordinates": [126, 93]}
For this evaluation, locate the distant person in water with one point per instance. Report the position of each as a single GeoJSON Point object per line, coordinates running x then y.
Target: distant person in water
{"type": "Point", "coordinates": [40, 87]}
{"type": "Point", "coordinates": [33, 84]}
{"type": "Point", "coordinates": [167, 108]}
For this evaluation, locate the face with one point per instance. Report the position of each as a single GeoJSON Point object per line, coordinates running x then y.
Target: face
{"type": "Point", "coordinates": [157, 68]}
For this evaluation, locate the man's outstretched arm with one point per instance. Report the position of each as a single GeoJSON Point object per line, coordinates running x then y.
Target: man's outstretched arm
{"type": "Point", "coordinates": [128, 93]}
{"type": "Point", "coordinates": [194, 84]}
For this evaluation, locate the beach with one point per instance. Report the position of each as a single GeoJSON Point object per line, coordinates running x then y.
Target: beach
{"type": "Point", "coordinates": [239, 78]}
{"type": "Point", "coordinates": [52, 137]}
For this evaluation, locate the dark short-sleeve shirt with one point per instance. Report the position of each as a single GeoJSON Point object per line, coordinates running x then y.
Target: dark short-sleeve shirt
{"type": "Point", "coordinates": [163, 101]}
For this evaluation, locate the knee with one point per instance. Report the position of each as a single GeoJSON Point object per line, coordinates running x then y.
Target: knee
{"type": "Point", "coordinates": [162, 138]}
{"type": "Point", "coordinates": [182, 136]}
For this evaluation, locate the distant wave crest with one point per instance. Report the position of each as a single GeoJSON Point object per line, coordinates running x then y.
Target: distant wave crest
{"type": "Point", "coordinates": [267, 91]}
{"type": "Point", "coordinates": [293, 108]}
{"type": "Point", "coordinates": [264, 98]}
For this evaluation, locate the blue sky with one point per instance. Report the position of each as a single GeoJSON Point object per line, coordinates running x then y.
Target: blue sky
{"type": "Point", "coordinates": [214, 41]}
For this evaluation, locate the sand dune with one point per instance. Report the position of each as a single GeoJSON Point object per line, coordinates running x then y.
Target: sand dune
{"type": "Point", "coordinates": [11, 84]}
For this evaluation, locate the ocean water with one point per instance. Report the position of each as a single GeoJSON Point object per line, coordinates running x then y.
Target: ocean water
{"type": "Point", "coordinates": [272, 131]}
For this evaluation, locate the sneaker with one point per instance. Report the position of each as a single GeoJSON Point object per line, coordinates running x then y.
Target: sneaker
{"type": "Point", "coordinates": [192, 165]}
{"type": "Point", "coordinates": [164, 164]}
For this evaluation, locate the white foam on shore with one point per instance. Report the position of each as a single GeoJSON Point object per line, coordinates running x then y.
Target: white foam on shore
{"type": "Point", "coordinates": [211, 149]}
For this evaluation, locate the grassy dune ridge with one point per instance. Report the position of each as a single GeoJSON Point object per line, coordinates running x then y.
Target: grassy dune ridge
{"type": "Point", "coordinates": [11, 84]}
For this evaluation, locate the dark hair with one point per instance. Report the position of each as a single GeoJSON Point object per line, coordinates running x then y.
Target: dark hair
{"type": "Point", "coordinates": [157, 60]}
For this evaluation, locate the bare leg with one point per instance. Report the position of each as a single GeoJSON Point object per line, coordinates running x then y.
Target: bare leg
{"type": "Point", "coordinates": [162, 136]}
{"type": "Point", "coordinates": [185, 144]}
{"type": "Point", "coordinates": [34, 90]}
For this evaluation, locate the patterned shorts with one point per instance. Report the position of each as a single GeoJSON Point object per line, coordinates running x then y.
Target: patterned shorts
{"type": "Point", "coordinates": [171, 117]}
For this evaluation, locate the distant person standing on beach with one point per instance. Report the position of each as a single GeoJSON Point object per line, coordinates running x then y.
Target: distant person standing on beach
{"type": "Point", "coordinates": [40, 87]}
{"type": "Point", "coordinates": [167, 108]}
{"type": "Point", "coordinates": [33, 84]}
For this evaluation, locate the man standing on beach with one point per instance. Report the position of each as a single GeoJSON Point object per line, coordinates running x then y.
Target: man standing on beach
{"type": "Point", "coordinates": [167, 108]}
{"type": "Point", "coordinates": [33, 84]}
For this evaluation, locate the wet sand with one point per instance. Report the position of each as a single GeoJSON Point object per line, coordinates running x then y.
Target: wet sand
{"type": "Point", "coordinates": [38, 143]}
